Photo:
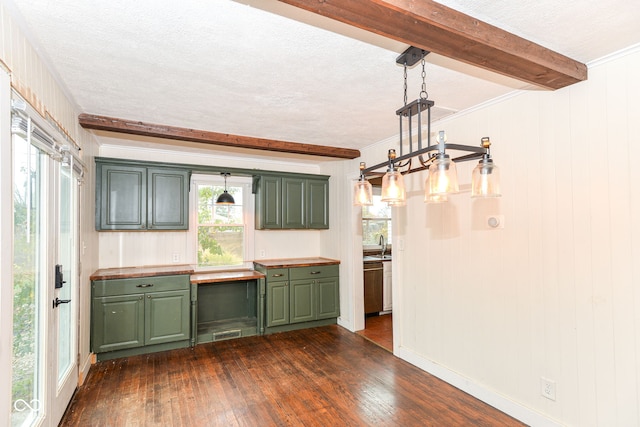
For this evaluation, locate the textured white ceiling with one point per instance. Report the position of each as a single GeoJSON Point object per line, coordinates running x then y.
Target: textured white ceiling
{"type": "Point", "coordinates": [268, 70]}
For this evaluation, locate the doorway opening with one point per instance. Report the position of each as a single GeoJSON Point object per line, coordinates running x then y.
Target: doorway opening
{"type": "Point", "coordinates": [377, 256]}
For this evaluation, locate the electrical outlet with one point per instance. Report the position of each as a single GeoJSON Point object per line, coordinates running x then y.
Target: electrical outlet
{"type": "Point", "coordinates": [548, 388]}
{"type": "Point", "coordinates": [262, 253]}
{"type": "Point", "coordinates": [176, 257]}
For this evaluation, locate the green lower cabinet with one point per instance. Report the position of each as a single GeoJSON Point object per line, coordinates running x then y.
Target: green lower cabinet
{"type": "Point", "coordinates": [277, 303]}
{"type": "Point", "coordinates": [140, 315]}
{"type": "Point", "coordinates": [166, 317]}
{"type": "Point", "coordinates": [117, 322]}
{"type": "Point", "coordinates": [303, 301]}
{"type": "Point", "coordinates": [328, 298]}
{"type": "Point", "coordinates": [301, 297]}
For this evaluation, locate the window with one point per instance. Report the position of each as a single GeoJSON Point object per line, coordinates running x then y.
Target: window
{"type": "Point", "coordinates": [224, 236]}
{"type": "Point", "coordinates": [376, 220]}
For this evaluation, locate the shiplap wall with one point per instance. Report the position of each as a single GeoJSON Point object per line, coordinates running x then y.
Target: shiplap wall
{"type": "Point", "coordinates": [554, 294]}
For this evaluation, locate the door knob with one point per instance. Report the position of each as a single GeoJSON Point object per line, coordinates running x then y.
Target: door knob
{"type": "Point", "coordinates": [59, 301]}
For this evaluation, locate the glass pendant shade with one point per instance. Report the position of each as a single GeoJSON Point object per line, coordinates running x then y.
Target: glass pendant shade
{"type": "Point", "coordinates": [443, 176]}
{"type": "Point", "coordinates": [432, 198]}
{"type": "Point", "coordinates": [485, 179]}
{"type": "Point", "coordinates": [362, 193]}
{"type": "Point", "coordinates": [393, 191]}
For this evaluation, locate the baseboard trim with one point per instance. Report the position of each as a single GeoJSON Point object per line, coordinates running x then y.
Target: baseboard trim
{"type": "Point", "coordinates": [502, 403]}
{"type": "Point", "coordinates": [83, 369]}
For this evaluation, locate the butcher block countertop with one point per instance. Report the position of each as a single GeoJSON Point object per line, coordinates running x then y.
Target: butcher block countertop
{"type": "Point", "coordinates": [225, 276]}
{"type": "Point", "coordinates": [146, 271]}
{"type": "Point", "coordinates": [295, 262]}
{"type": "Point", "coordinates": [207, 277]}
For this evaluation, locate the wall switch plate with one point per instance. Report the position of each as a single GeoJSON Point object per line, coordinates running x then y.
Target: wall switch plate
{"type": "Point", "coordinates": [175, 257]}
{"type": "Point", "coordinates": [548, 388]}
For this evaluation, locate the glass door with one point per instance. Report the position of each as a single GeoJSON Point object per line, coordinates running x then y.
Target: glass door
{"type": "Point", "coordinates": [45, 276]}
{"type": "Point", "coordinates": [29, 282]}
{"type": "Point", "coordinates": [63, 339]}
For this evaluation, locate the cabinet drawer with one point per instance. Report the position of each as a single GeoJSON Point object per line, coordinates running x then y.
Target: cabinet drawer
{"type": "Point", "coordinates": [314, 272]}
{"type": "Point", "coordinates": [277, 274]}
{"type": "Point", "coordinates": [140, 285]}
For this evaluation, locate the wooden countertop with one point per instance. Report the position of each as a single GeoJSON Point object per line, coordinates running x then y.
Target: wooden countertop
{"type": "Point", "coordinates": [146, 271]}
{"type": "Point", "coordinates": [225, 276]}
{"type": "Point", "coordinates": [218, 276]}
{"type": "Point", "coordinates": [295, 262]}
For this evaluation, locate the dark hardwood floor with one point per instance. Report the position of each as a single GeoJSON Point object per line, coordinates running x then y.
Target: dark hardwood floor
{"type": "Point", "coordinates": [324, 376]}
{"type": "Point", "coordinates": [379, 329]}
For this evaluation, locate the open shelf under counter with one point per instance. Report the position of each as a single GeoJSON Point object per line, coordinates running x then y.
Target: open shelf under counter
{"type": "Point", "coordinates": [226, 305]}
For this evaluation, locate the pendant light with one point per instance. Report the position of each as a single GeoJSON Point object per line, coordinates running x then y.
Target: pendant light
{"type": "Point", "coordinates": [393, 191]}
{"type": "Point", "coordinates": [432, 198]}
{"type": "Point", "coordinates": [442, 179]}
{"type": "Point", "coordinates": [443, 176]}
{"type": "Point", "coordinates": [362, 190]}
{"type": "Point", "coordinates": [485, 178]}
{"type": "Point", "coordinates": [225, 198]}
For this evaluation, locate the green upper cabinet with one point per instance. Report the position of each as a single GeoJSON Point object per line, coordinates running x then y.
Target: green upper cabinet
{"type": "Point", "coordinates": [167, 199]}
{"type": "Point", "coordinates": [120, 198]}
{"type": "Point", "coordinates": [317, 203]}
{"type": "Point", "coordinates": [294, 213]}
{"type": "Point", "coordinates": [136, 197]}
{"type": "Point", "coordinates": [292, 202]}
{"type": "Point", "coordinates": [269, 203]}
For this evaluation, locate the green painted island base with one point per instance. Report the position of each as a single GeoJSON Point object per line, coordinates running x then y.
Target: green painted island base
{"type": "Point", "coordinates": [302, 325]}
{"type": "Point", "coordinates": [116, 354]}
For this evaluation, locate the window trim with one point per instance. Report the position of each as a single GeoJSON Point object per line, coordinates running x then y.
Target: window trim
{"type": "Point", "coordinates": [248, 213]}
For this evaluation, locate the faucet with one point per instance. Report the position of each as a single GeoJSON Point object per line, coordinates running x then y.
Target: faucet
{"type": "Point", "coordinates": [383, 244]}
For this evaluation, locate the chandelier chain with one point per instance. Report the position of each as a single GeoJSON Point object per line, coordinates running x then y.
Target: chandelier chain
{"type": "Point", "coordinates": [405, 83]}
{"type": "Point", "coordinates": [423, 92]}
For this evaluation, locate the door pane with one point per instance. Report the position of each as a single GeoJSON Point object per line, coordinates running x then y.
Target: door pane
{"type": "Point", "coordinates": [28, 283]}
{"type": "Point", "coordinates": [66, 257]}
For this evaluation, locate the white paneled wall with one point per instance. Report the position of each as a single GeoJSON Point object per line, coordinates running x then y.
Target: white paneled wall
{"type": "Point", "coordinates": [556, 293]}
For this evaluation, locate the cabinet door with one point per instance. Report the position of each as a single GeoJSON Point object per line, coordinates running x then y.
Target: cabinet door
{"type": "Point", "coordinates": [277, 303]}
{"type": "Point", "coordinates": [293, 203]}
{"type": "Point", "coordinates": [328, 297]}
{"type": "Point", "coordinates": [269, 203]}
{"type": "Point", "coordinates": [117, 323]}
{"type": "Point", "coordinates": [317, 203]}
{"type": "Point", "coordinates": [122, 198]}
{"type": "Point", "coordinates": [168, 199]}
{"type": "Point", "coordinates": [303, 301]}
{"type": "Point", "coordinates": [167, 316]}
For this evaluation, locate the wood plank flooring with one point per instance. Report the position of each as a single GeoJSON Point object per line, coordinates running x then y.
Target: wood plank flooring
{"type": "Point", "coordinates": [379, 329]}
{"type": "Point", "coordinates": [324, 376]}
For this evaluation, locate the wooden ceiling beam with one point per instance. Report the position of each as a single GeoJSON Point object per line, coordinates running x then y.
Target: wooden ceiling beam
{"type": "Point", "coordinates": [133, 127]}
{"type": "Point", "coordinates": [436, 28]}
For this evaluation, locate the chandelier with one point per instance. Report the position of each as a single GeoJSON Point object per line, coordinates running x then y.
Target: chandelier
{"type": "Point", "coordinates": [442, 177]}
